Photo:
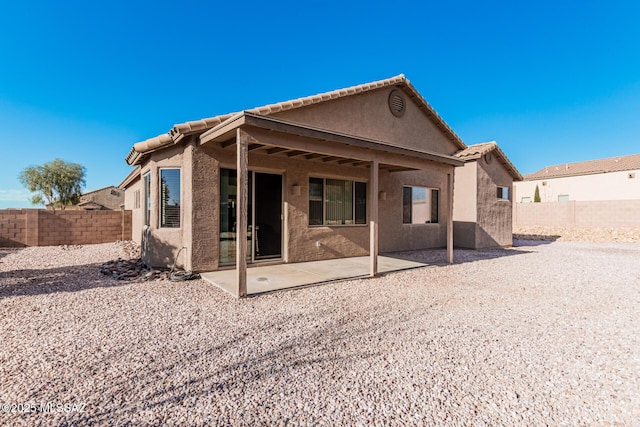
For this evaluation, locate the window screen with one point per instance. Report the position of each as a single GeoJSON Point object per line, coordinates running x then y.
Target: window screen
{"type": "Point", "coordinates": [170, 198]}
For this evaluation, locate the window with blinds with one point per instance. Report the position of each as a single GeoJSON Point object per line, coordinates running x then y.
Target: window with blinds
{"type": "Point", "coordinates": [420, 205]}
{"type": "Point", "coordinates": [337, 202]}
{"type": "Point", "coordinates": [170, 198]}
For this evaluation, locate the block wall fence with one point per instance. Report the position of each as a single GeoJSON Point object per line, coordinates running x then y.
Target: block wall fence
{"type": "Point", "coordinates": [39, 227]}
{"type": "Point", "coordinates": [592, 214]}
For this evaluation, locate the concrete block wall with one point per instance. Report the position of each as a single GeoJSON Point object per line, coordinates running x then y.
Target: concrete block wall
{"type": "Point", "coordinates": [38, 227]}
{"type": "Point", "coordinates": [592, 214]}
{"type": "Point", "coordinates": [13, 230]}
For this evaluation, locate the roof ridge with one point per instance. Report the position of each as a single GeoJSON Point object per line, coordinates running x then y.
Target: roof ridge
{"type": "Point", "coordinates": [604, 165]}
{"type": "Point", "coordinates": [179, 131]}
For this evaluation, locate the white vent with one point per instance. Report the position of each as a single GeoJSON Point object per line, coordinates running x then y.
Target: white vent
{"type": "Point", "coordinates": [397, 104]}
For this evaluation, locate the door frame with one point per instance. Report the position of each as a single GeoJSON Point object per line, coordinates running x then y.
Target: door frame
{"type": "Point", "coordinates": [252, 259]}
{"type": "Point", "coordinates": [253, 217]}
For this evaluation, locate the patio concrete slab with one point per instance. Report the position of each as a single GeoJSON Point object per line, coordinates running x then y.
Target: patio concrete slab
{"type": "Point", "coordinates": [269, 278]}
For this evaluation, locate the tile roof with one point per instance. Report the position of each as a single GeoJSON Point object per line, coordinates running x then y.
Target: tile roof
{"type": "Point", "coordinates": [181, 130]}
{"type": "Point", "coordinates": [611, 164]}
{"type": "Point", "coordinates": [476, 151]}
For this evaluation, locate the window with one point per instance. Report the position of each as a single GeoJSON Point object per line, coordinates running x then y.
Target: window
{"type": "Point", "coordinates": [337, 202]}
{"type": "Point", "coordinates": [563, 198]}
{"type": "Point", "coordinates": [503, 193]}
{"type": "Point", "coordinates": [170, 198]}
{"type": "Point", "coordinates": [525, 200]}
{"type": "Point", "coordinates": [147, 198]}
{"type": "Point", "coordinates": [420, 205]}
{"type": "Point", "coordinates": [136, 199]}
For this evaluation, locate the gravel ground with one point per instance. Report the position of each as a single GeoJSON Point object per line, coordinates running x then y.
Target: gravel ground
{"type": "Point", "coordinates": [540, 334]}
{"type": "Point", "coordinates": [575, 234]}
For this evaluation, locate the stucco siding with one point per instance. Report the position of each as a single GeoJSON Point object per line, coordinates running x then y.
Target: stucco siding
{"type": "Point", "coordinates": [368, 115]}
{"type": "Point", "coordinates": [136, 212]}
{"type": "Point", "coordinates": [465, 206]}
{"type": "Point", "coordinates": [602, 186]}
{"type": "Point", "coordinates": [396, 236]}
{"type": "Point", "coordinates": [160, 245]}
{"type": "Point", "coordinates": [494, 224]}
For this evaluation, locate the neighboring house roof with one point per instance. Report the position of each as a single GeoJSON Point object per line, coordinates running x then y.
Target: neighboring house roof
{"type": "Point", "coordinates": [179, 131]}
{"type": "Point", "coordinates": [611, 164]}
{"type": "Point", "coordinates": [91, 205]}
{"type": "Point", "coordinates": [100, 189]}
{"type": "Point", "coordinates": [476, 151]}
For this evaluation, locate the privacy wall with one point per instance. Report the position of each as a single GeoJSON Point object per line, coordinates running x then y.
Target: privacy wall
{"type": "Point", "coordinates": [593, 214]}
{"type": "Point", "coordinates": [38, 227]}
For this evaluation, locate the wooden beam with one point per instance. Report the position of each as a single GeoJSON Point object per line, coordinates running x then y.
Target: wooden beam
{"type": "Point", "coordinates": [253, 147]}
{"type": "Point", "coordinates": [344, 161]}
{"type": "Point", "coordinates": [450, 216]}
{"type": "Point", "coordinates": [229, 143]}
{"type": "Point", "coordinates": [373, 218]}
{"type": "Point", "coordinates": [315, 156]}
{"type": "Point", "coordinates": [297, 153]}
{"type": "Point", "coordinates": [331, 159]}
{"type": "Point", "coordinates": [242, 205]}
{"type": "Point", "coordinates": [277, 150]}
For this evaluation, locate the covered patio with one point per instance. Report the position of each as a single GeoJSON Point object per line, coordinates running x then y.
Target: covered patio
{"type": "Point", "coordinates": [268, 278]}
{"type": "Point", "coordinates": [247, 132]}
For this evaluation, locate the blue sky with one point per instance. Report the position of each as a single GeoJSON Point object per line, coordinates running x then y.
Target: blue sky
{"type": "Point", "coordinates": [551, 81]}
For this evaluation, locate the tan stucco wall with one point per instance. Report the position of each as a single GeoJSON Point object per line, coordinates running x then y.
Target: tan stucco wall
{"type": "Point", "coordinates": [604, 186]}
{"type": "Point", "coordinates": [368, 115]}
{"type": "Point", "coordinates": [200, 211]}
{"type": "Point", "coordinates": [465, 206]}
{"type": "Point", "coordinates": [160, 245]}
{"type": "Point", "coordinates": [396, 236]}
{"type": "Point", "coordinates": [494, 223]}
{"type": "Point", "coordinates": [136, 214]}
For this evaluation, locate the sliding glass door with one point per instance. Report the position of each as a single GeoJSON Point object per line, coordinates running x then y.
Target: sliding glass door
{"type": "Point", "coordinates": [264, 241]}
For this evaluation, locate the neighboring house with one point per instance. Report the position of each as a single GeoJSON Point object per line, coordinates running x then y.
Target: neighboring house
{"type": "Point", "coordinates": [615, 178]}
{"type": "Point", "coordinates": [482, 203]}
{"type": "Point", "coordinates": [346, 173]}
{"type": "Point", "coordinates": [107, 198]}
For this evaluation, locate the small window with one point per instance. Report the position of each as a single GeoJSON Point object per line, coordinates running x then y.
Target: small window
{"type": "Point", "coordinates": [147, 199]}
{"type": "Point", "coordinates": [136, 199]}
{"type": "Point", "coordinates": [563, 198]}
{"type": "Point", "coordinates": [503, 193]}
{"type": "Point", "coordinates": [525, 200]}
{"type": "Point", "coordinates": [420, 205]}
{"type": "Point", "coordinates": [170, 198]}
{"type": "Point", "coordinates": [337, 202]}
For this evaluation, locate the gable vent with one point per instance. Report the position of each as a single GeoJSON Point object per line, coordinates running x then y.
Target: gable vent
{"type": "Point", "coordinates": [397, 104]}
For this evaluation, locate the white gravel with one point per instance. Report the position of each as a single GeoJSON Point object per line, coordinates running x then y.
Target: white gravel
{"type": "Point", "coordinates": [541, 334]}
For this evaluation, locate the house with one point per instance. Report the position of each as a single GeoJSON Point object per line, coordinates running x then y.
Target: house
{"type": "Point", "coordinates": [352, 172]}
{"type": "Point", "coordinates": [106, 198]}
{"type": "Point", "coordinates": [482, 203]}
{"type": "Point", "coordinates": [614, 178]}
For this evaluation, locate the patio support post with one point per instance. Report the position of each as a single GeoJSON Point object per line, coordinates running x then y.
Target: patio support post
{"type": "Point", "coordinates": [450, 217]}
{"type": "Point", "coordinates": [373, 220]}
{"type": "Point", "coordinates": [242, 204]}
